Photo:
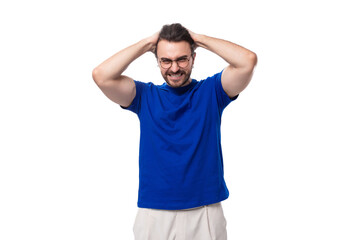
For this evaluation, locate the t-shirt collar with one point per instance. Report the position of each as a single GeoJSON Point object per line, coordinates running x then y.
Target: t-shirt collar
{"type": "Point", "coordinates": [179, 90]}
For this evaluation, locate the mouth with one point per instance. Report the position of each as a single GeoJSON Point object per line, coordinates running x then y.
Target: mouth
{"type": "Point", "coordinates": [175, 76]}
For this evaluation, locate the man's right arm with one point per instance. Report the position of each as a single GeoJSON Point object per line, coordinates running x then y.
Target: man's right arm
{"type": "Point", "coordinates": [108, 75]}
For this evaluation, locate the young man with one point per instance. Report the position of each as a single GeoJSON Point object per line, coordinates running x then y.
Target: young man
{"type": "Point", "coordinates": [181, 178]}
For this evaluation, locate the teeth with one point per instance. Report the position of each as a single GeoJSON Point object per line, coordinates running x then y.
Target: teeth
{"type": "Point", "coordinates": [177, 75]}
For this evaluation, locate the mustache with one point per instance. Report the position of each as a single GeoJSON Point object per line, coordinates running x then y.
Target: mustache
{"type": "Point", "coordinates": [178, 72]}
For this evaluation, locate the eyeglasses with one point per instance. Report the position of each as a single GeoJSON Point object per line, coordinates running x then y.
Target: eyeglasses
{"type": "Point", "coordinates": [182, 62]}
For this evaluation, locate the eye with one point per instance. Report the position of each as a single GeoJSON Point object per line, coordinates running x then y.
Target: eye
{"type": "Point", "coordinates": [182, 60]}
{"type": "Point", "coordinates": [166, 61]}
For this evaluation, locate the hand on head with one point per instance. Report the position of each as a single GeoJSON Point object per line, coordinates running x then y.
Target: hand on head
{"type": "Point", "coordinates": [153, 39]}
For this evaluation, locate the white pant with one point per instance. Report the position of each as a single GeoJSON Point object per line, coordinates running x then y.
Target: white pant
{"type": "Point", "coordinates": [202, 223]}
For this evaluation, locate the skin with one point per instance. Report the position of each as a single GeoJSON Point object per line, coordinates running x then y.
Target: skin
{"type": "Point", "coordinates": [121, 89]}
{"type": "Point", "coordinates": [237, 75]}
{"type": "Point", "coordinates": [175, 50]}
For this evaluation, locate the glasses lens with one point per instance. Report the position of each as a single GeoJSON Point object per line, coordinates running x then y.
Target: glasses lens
{"type": "Point", "coordinates": [183, 62]}
{"type": "Point", "coordinates": [166, 63]}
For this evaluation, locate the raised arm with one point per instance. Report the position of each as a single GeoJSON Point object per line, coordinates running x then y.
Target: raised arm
{"type": "Point", "coordinates": [108, 75]}
{"type": "Point", "coordinates": [242, 61]}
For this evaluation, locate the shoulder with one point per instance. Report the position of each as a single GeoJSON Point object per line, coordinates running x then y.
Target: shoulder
{"type": "Point", "coordinates": [213, 81]}
{"type": "Point", "coordinates": [143, 86]}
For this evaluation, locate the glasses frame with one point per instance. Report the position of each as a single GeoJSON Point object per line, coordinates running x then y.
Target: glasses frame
{"type": "Point", "coordinates": [176, 60]}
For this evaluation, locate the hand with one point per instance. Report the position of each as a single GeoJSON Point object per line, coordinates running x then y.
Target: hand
{"type": "Point", "coordinates": [195, 37]}
{"type": "Point", "coordinates": [153, 41]}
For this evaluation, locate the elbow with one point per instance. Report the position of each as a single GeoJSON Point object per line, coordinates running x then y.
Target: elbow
{"type": "Point", "coordinates": [247, 61]}
{"type": "Point", "coordinates": [252, 59]}
{"type": "Point", "coordinates": [97, 75]}
{"type": "Point", "coordinates": [251, 62]}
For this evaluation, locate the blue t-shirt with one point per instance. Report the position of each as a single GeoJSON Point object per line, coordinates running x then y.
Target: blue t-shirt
{"type": "Point", "coordinates": [180, 158]}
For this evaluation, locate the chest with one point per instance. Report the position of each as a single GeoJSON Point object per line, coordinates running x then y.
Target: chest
{"type": "Point", "coordinates": [179, 113]}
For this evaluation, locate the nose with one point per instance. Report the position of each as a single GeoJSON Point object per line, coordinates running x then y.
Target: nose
{"type": "Point", "coordinates": [174, 67]}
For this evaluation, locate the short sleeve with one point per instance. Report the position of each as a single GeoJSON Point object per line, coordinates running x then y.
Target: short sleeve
{"type": "Point", "coordinates": [135, 105]}
{"type": "Point", "coordinates": [222, 98]}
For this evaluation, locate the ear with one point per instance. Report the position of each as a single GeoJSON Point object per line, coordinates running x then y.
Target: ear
{"type": "Point", "coordinates": [194, 55]}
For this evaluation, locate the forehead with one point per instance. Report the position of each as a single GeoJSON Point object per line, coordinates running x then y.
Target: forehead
{"type": "Point", "coordinates": [173, 50]}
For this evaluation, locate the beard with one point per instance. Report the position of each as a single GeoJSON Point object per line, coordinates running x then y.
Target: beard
{"type": "Point", "coordinates": [182, 78]}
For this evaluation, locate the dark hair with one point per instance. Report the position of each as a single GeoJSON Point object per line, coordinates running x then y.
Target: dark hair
{"type": "Point", "coordinates": [175, 33]}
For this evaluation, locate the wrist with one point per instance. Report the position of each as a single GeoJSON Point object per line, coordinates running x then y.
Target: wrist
{"type": "Point", "coordinates": [200, 40]}
{"type": "Point", "coordinates": [150, 42]}
{"type": "Point", "coordinates": [145, 45]}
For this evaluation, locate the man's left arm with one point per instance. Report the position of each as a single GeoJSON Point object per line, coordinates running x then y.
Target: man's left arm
{"type": "Point", "coordinates": [242, 62]}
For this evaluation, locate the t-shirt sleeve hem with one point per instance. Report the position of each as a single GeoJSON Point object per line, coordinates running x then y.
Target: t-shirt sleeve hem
{"type": "Point", "coordinates": [135, 104]}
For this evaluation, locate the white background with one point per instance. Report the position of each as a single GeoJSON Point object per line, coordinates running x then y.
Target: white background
{"type": "Point", "coordinates": [68, 165]}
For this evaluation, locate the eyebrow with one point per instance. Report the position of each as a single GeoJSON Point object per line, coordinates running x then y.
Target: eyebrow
{"type": "Point", "coordinates": [184, 56]}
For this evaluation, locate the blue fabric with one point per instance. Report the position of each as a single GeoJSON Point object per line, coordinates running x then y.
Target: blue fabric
{"type": "Point", "coordinates": [180, 158]}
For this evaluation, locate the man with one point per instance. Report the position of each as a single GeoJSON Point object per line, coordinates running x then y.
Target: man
{"type": "Point", "coordinates": [181, 178]}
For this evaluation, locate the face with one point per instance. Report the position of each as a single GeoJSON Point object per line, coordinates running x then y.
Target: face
{"type": "Point", "coordinates": [175, 76]}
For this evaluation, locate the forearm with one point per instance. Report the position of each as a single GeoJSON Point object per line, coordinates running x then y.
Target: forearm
{"type": "Point", "coordinates": [235, 55]}
{"type": "Point", "coordinates": [242, 62]}
{"type": "Point", "coordinates": [113, 67]}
